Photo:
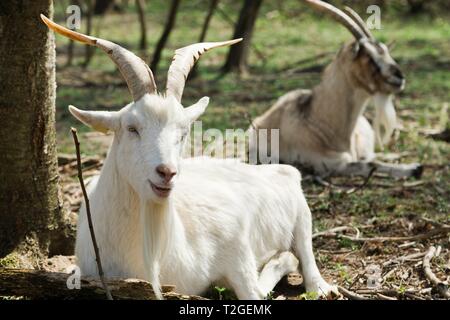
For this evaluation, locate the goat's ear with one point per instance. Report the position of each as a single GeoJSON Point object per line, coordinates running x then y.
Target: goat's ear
{"type": "Point", "coordinates": [98, 120]}
{"type": "Point", "coordinates": [196, 110]}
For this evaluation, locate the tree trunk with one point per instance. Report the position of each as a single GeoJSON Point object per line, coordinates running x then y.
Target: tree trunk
{"type": "Point", "coordinates": [165, 35]}
{"type": "Point", "coordinates": [212, 7]}
{"type": "Point", "coordinates": [31, 284]}
{"type": "Point", "coordinates": [29, 202]}
{"type": "Point", "coordinates": [101, 6]}
{"type": "Point", "coordinates": [140, 6]}
{"type": "Point", "coordinates": [89, 50]}
{"type": "Point", "coordinates": [71, 45]}
{"type": "Point", "coordinates": [416, 6]}
{"type": "Point", "coordinates": [238, 54]}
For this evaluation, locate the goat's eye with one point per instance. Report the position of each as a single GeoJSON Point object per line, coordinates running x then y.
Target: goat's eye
{"type": "Point", "coordinates": [132, 130]}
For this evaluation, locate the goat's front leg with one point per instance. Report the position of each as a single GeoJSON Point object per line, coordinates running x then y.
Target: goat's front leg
{"type": "Point", "coordinates": [275, 269]}
{"type": "Point", "coordinates": [242, 274]}
{"type": "Point", "coordinates": [312, 278]}
{"type": "Point", "coordinates": [393, 170]}
{"type": "Point", "coordinates": [399, 170]}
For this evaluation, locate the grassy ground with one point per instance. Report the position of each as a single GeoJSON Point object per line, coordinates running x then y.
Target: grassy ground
{"type": "Point", "coordinates": [284, 37]}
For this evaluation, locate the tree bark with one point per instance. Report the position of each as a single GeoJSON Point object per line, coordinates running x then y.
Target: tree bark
{"type": "Point", "coordinates": [140, 7]}
{"type": "Point", "coordinates": [416, 6]}
{"type": "Point", "coordinates": [165, 35]}
{"type": "Point", "coordinates": [29, 202]}
{"type": "Point", "coordinates": [101, 6]}
{"type": "Point", "coordinates": [238, 53]}
{"type": "Point", "coordinates": [32, 284]}
{"type": "Point", "coordinates": [71, 45]}
{"type": "Point", "coordinates": [89, 50]}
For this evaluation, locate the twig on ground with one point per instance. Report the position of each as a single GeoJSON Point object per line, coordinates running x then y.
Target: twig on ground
{"type": "Point", "coordinates": [434, 232]}
{"type": "Point", "coordinates": [383, 297]}
{"type": "Point", "coordinates": [351, 295]}
{"type": "Point", "coordinates": [441, 287]}
{"type": "Point", "coordinates": [404, 258]}
{"type": "Point", "coordinates": [358, 276]}
{"type": "Point", "coordinates": [88, 213]}
{"type": "Point", "coordinates": [434, 223]}
{"type": "Point", "coordinates": [333, 232]}
{"type": "Point", "coordinates": [365, 183]}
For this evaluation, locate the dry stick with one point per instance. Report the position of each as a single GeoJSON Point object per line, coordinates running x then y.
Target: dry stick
{"type": "Point", "coordinates": [404, 258]}
{"type": "Point", "coordinates": [365, 183]}
{"type": "Point", "coordinates": [429, 234]}
{"type": "Point", "coordinates": [331, 232]}
{"type": "Point", "coordinates": [88, 213]}
{"type": "Point", "coordinates": [383, 297]}
{"type": "Point", "coordinates": [441, 287]}
{"type": "Point", "coordinates": [351, 295]}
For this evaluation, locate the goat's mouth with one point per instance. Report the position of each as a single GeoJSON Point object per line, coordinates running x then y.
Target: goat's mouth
{"type": "Point", "coordinates": [397, 84]}
{"type": "Point", "coordinates": [161, 191]}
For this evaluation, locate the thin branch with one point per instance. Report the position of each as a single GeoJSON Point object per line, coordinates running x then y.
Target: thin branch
{"type": "Point", "coordinates": [351, 295]}
{"type": "Point", "coordinates": [434, 232]}
{"type": "Point", "coordinates": [441, 287]}
{"type": "Point", "coordinates": [88, 213]}
{"type": "Point", "coordinates": [404, 258]}
{"type": "Point", "coordinates": [332, 232]}
{"type": "Point", "coordinates": [429, 234]}
{"type": "Point", "coordinates": [365, 183]}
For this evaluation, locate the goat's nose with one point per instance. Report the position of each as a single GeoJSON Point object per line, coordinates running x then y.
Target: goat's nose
{"type": "Point", "coordinates": [167, 172]}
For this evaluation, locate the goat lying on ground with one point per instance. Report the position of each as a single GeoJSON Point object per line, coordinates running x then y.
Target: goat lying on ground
{"type": "Point", "coordinates": [187, 222]}
{"type": "Point", "coordinates": [324, 128]}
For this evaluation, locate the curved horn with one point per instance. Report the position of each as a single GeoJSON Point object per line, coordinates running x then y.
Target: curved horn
{"type": "Point", "coordinates": [359, 21]}
{"type": "Point", "coordinates": [339, 16]}
{"type": "Point", "coordinates": [137, 74]}
{"type": "Point", "coordinates": [183, 60]}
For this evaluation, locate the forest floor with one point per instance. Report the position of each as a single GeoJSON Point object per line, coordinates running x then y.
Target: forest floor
{"type": "Point", "coordinates": [294, 58]}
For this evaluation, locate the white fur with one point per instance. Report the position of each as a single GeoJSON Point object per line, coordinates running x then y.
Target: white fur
{"type": "Point", "coordinates": [224, 221]}
{"type": "Point", "coordinates": [385, 118]}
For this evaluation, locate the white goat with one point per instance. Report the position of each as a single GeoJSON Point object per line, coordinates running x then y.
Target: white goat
{"type": "Point", "coordinates": [187, 222]}
{"type": "Point", "coordinates": [324, 128]}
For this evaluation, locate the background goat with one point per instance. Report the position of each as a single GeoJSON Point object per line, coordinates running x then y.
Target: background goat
{"type": "Point", "coordinates": [324, 128]}
{"type": "Point", "coordinates": [188, 222]}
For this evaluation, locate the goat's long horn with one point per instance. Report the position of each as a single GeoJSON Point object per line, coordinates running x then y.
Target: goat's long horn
{"type": "Point", "coordinates": [137, 74]}
{"type": "Point", "coordinates": [183, 60]}
{"type": "Point", "coordinates": [339, 16]}
{"type": "Point", "coordinates": [359, 21]}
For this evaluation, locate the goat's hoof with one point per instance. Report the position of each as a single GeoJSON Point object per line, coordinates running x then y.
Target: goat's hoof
{"type": "Point", "coordinates": [418, 171]}
{"type": "Point", "coordinates": [323, 289]}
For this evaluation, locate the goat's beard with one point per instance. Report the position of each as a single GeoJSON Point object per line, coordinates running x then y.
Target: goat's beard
{"type": "Point", "coordinates": [154, 222]}
{"type": "Point", "coordinates": [385, 118]}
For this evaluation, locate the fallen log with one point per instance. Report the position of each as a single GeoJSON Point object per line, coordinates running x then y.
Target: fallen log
{"type": "Point", "coordinates": [42, 285]}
